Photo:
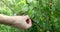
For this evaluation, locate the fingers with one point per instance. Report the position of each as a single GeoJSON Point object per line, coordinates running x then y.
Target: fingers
{"type": "Point", "coordinates": [28, 21]}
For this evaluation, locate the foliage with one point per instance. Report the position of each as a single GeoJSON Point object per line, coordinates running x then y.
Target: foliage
{"type": "Point", "coordinates": [45, 14]}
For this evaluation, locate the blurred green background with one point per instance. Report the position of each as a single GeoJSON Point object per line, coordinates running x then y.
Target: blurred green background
{"type": "Point", "coordinates": [45, 14]}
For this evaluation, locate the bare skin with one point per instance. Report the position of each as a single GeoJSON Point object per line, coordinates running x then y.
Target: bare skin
{"type": "Point", "coordinates": [23, 22]}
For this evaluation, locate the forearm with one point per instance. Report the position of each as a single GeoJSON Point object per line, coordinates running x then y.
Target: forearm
{"type": "Point", "coordinates": [6, 20]}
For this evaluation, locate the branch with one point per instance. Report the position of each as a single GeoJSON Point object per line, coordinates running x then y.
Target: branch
{"type": "Point", "coordinates": [7, 6]}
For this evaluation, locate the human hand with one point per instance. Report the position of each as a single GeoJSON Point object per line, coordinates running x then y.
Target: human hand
{"type": "Point", "coordinates": [23, 22]}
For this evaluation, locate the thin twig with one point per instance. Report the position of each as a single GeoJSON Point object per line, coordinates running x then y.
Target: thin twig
{"type": "Point", "coordinates": [8, 6]}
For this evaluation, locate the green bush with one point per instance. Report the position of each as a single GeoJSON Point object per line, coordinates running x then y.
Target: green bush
{"type": "Point", "coordinates": [45, 14]}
